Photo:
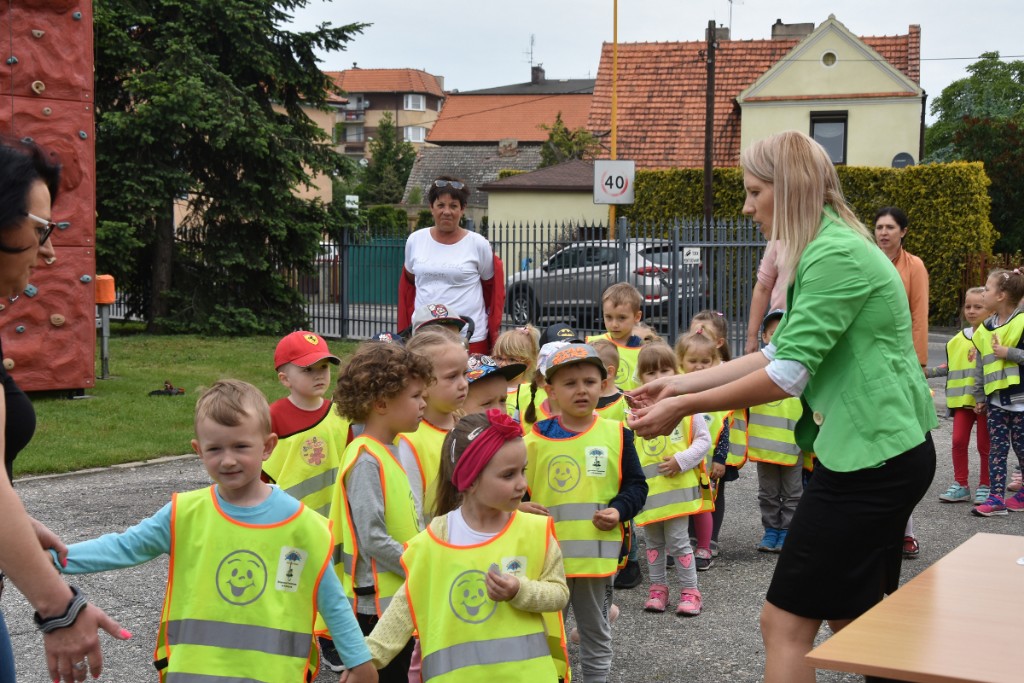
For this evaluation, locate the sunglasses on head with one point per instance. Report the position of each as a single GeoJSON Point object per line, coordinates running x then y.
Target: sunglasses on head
{"type": "Point", "coordinates": [454, 184]}
{"type": "Point", "coordinates": [45, 230]}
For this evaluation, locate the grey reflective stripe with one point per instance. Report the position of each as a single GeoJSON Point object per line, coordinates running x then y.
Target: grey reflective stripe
{"type": "Point", "coordinates": [954, 375]}
{"type": "Point", "coordinates": [988, 358]}
{"type": "Point", "coordinates": [179, 677]}
{"type": "Point", "coordinates": [602, 550]}
{"type": "Point", "coordinates": [313, 484]}
{"type": "Point", "coordinates": [651, 471]}
{"type": "Point", "coordinates": [272, 641]}
{"type": "Point", "coordinates": [671, 497]}
{"type": "Point", "coordinates": [740, 424]}
{"type": "Point", "coordinates": [485, 652]}
{"type": "Point", "coordinates": [952, 392]}
{"type": "Point", "coordinates": [737, 448]}
{"type": "Point", "coordinates": [1012, 370]}
{"type": "Point", "coordinates": [773, 446]}
{"type": "Point", "coordinates": [778, 421]}
{"type": "Point", "coordinates": [342, 558]}
{"type": "Point", "coordinates": [574, 512]}
{"type": "Point", "coordinates": [324, 510]}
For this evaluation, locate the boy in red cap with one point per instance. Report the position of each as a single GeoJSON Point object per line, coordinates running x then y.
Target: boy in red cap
{"type": "Point", "coordinates": [311, 436]}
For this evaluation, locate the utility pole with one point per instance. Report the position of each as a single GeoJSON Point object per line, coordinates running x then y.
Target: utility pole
{"type": "Point", "coordinates": [709, 125]}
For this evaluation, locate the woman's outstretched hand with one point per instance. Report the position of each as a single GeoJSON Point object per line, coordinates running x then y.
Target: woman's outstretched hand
{"type": "Point", "coordinates": [658, 419]}
{"type": "Point", "coordinates": [652, 392]}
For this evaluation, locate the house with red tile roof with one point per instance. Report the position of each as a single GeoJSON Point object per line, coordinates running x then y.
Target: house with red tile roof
{"type": "Point", "coordinates": [480, 133]}
{"type": "Point", "coordinates": [859, 96]}
{"type": "Point", "coordinates": [413, 97]}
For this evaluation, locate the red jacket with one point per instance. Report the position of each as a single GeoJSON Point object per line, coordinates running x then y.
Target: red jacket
{"type": "Point", "coordinates": [493, 293]}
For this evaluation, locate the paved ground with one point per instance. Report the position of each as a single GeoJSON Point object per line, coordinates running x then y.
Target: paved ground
{"type": "Point", "coordinates": [722, 644]}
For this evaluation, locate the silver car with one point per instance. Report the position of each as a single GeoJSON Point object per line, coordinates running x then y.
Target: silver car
{"type": "Point", "coordinates": [567, 287]}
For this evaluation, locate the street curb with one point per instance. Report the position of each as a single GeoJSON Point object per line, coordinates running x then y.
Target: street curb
{"type": "Point", "coordinates": [94, 470]}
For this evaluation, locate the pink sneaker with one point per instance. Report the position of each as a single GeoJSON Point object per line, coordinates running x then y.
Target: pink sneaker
{"type": "Point", "coordinates": [658, 599]}
{"type": "Point", "coordinates": [992, 507]}
{"type": "Point", "coordinates": [689, 602]}
{"type": "Point", "coordinates": [1015, 503]}
{"type": "Point", "coordinates": [1015, 481]}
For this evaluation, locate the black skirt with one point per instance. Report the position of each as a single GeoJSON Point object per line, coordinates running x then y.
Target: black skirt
{"type": "Point", "coordinates": [844, 549]}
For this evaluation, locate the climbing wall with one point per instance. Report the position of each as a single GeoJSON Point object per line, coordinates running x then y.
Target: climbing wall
{"type": "Point", "coordinates": [46, 93]}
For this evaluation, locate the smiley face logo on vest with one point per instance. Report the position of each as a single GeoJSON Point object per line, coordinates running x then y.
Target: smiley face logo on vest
{"type": "Point", "coordinates": [563, 473]}
{"type": "Point", "coordinates": [241, 577]}
{"type": "Point", "coordinates": [654, 447]}
{"type": "Point", "coordinates": [468, 597]}
{"type": "Point", "coordinates": [624, 373]}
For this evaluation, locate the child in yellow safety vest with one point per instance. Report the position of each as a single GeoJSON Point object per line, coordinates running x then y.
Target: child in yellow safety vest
{"type": "Point", "coordinates": [584, 470]}
{"type": "Point", "coordinates": [959, 373]}
{"type": "Point", "coordinates": [420, 452]}
{"type": "Point", "coordinates": [677, 487]}
{"type": "Point", "coordinates": [484, 583]}
{"type": "Point", "coordinates": [998, 389]}
{"type": "Point", "coordinates": [771, 443]}
{"type": "Point", "coordinates": [374, 510]}
{"type": "Point", "coordinates": [249, 567]}
{"type": "Point", "coordinates": [519, 345]}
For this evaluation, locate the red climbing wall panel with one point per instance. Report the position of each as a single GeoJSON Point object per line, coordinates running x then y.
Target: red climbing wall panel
{"type": "Point", "coordinates": [46, 86]}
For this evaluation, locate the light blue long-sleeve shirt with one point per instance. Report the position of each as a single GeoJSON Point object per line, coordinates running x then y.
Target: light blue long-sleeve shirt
{"type": "Point", "coordinates": [151, 538]}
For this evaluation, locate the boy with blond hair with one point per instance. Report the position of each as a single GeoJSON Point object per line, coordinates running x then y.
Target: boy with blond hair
{"type": "Point", "coordinates": [250, 566]}
{"type": "Point", "coordinates": [621, 307]}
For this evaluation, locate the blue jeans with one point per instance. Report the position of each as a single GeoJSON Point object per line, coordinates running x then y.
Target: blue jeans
{"type": "Point", "coordinates": [6, 654]}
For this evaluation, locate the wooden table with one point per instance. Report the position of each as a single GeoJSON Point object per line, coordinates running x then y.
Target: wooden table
{"type": "Point", "coordinates": [962, 619]}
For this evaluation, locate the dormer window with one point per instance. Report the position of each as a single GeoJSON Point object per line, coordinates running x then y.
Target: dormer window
{"type": "Point", "coordinates": [415, 103]}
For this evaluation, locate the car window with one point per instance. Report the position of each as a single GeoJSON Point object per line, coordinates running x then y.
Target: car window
{"type": "Point", "coordinates": [567, 258]}
{"type": "Point", "coordinates": [602, 256]}
{"type": "Point", "coordinates": [662, 255]}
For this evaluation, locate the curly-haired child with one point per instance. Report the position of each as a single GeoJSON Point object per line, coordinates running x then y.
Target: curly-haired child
{"type": "Point", "coordinates": [382, 387]}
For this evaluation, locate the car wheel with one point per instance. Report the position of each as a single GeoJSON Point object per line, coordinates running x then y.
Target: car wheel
{"type": "Point", "coordinates": [521, 307]}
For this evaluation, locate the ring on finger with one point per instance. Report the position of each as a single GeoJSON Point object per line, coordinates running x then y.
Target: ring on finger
{"type": "Point", "coordinates": [78, 666]}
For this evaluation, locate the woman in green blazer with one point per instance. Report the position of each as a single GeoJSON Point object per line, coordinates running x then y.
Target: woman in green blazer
{"type": "Point", "coordinates": [844, 347]}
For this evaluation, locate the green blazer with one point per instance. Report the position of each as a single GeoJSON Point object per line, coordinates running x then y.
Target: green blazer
{"type": "Point", "coordinates": [848, 322]}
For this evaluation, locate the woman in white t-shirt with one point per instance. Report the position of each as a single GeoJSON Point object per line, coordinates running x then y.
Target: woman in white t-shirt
{"type": "Point", "coordinates": [447, 264]}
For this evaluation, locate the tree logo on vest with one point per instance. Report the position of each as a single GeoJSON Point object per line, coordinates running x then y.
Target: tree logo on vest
{"type": "Point", "coordinates": [468, 597]}
{"type": "Point", "coordinates": [314, 451]}
{"type": "Point", "coordinates": [241, 577]}
{"type": "Point", "coordinates": [563, 473]}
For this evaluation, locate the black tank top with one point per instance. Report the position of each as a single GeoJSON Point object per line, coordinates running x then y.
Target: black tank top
{"type": "Point", "coordinates": [20, 422]}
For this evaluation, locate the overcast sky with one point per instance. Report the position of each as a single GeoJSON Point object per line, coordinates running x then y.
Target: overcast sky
{"type": "Point", "coordinates": [485, 43]}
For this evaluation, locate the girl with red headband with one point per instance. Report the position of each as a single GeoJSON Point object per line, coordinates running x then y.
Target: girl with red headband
{"type": "Point", "coordinates": [481, 577]}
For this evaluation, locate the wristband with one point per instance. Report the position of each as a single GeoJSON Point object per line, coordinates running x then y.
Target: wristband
{"type": "Point", "coordinates": [51, 624]}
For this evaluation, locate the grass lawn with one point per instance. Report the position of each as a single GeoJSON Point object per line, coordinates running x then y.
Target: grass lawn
{"type": "Point", "coordinates": [120, 422]}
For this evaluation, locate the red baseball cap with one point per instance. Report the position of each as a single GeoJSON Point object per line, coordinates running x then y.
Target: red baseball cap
{"type": "Point", "coordinates": [303, 348]}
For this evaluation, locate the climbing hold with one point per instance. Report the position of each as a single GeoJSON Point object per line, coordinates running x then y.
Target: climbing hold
{"type": "Point", "coordinates": [12, 60]}
{"type": "Point", "coordinates": [8, 363]}
{"type": "Point", "coordinates": [38, 33]}
{"type": "Point", "coordinates": [38, 87]}
{"type": "Point", "coordinates": [47, 111]}
{"type": "Point", "coordinates": [63, 225]}
{"type": "Point", "coordinates": [57, 320]}
{"type": "Point", "coordinates": [31, 290]}
{"type": "Point", "coordinates": [20, 329]}
{"type": "Point", "coordinates": [82, 134]}
{"type": "Point", "coordinates": [86, 278]}
{"type": "Point", "coordinates": [77, 16]}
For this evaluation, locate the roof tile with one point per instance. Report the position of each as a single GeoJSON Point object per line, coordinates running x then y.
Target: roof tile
{"type": "Point", "coordinates": [489, 118]}
{"type": "Point", "coordinates": [386, 80]}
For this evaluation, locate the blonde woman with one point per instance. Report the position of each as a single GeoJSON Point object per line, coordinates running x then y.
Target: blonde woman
{"type": "Point", "coordinates": [845, 347]}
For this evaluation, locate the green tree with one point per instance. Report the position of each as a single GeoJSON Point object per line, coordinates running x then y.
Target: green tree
{"type": "Point", "coordinates": [201, 102]}
{"type": "Point", "coordinates": [389, 166]}
{"type": "Point", "coordinates": [981, 118]}
{"type": "Point", "coordinates": [994, 89]}
{"type": "Point", "coordinates": [564, 144]}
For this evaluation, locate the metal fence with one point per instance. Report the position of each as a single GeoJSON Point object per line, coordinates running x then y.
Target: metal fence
{"type": "Point", "coordinates": [557, 273]}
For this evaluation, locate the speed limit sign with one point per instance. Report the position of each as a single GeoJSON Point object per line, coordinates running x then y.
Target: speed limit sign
{"type": "Point", "coordinates": [613, 182]}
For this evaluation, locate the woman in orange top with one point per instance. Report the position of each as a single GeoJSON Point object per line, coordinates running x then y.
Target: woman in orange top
{"type": "Point", "coordinates": [890, 229]}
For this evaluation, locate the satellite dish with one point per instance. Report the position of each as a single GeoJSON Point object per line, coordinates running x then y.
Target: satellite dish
{"type": "Point", "coordinates": [364, 163]}
{"type": "Point", "coordinates": [902, 160]}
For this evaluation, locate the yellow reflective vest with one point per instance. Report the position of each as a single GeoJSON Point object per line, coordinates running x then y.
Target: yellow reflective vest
{"type": "Point", "coordinates": [399, 516]}
{"type": "Point", "coordinates": [770, 432]}
{"type": "Point", "coordinates": [616, 410]}
{"type": "Point", "coordinates": [575, 478]}
{"type": "Point", "coordinates": [960, 363]}
{"type": "Point", "coordinates": [998, 373]}
{"type": "Point", "coordinates": [625, 377]}
{"type": "Point", "coordinates": [305, 464]}
{"type": "Point", "coordinates": [241, 598]}
{"type": "Point", "coordinates": [466, 636]}
{"type": "Point", "coordinates": [685, 493]}
{"type": "Point", "coordinates": [737, 456]}
{"type": "Point", "coordinates": [425, 444]}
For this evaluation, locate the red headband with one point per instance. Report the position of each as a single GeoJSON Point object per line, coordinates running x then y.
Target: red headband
{"type": "Point", "coordinates": [483, 444]}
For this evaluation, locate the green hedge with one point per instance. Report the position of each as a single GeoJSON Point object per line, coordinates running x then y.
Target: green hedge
{"type": "Point", "coordinates": [948, 206]}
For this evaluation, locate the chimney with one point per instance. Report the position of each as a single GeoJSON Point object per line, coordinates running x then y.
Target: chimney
{"type": "Point", "coordinates": [782, 31]}
{"type": "Point", "coordinates": [537, 74]}
{"type": "Point", "coordinates": [721, 33]}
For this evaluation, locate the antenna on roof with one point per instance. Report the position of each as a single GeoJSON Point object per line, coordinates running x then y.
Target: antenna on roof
{"type": "Point", "coordinates": [529, 53]}
{"type": "Point", "coordinates": [731, 3]}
